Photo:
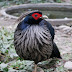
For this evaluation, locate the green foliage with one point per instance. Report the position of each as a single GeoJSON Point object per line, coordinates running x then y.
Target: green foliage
{"type": "Point", "coordinates": [22, 65]}
{"type": "Point", "coordinates": [61, 69]}
{"type": "Point", "coordinates": [17, 2]}
{"type": "Point", "coordinates": [5, 69]}
{"type": "Point", "coordinates": [6, 40]}
{"type": "Point", "coordinates": [6, 44]}
{"type": "Point", "coordinates": [11, 2]}
{"type": "Point", "coordinates": [59, 1]}
{"type": "Point", "coordinates": [39, 1]}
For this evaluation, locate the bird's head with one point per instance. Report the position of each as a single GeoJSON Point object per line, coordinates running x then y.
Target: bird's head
{"type": "Point", "coordinates": [33, 18]}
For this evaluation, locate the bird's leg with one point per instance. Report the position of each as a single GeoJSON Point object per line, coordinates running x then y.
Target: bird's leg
{"type": "Point", "coordinates": [35, 69]}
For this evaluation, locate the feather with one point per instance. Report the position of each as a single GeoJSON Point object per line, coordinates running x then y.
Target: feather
{"type": "Point", "coordinates": [32, 40]}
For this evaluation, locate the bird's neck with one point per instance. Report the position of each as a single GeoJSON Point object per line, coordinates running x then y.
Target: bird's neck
{"type": "Point", "coordinates": [28, 22]}
{"type": "Point", "coordinates": [32, 21]}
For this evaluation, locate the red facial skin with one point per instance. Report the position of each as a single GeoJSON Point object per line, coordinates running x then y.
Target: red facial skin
{"type": "Point", "coordinates": [36, 16]}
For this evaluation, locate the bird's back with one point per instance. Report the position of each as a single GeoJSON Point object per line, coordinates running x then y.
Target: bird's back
{"type": "Point", "coordinates": [33, 43]}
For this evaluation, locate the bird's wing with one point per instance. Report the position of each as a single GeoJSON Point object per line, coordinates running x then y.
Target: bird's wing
{"type": "Point", "coordinates": [55, 51]}
{"type": "Point", "coordinates": [22, 26]}
{"type": "Point", "coordinates": [49, 26]}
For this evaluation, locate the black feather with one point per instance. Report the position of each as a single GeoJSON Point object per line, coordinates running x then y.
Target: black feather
{"type": "Point", "coordinates": [49, 26]}
{"type": "Point", "coordinates": [55, 52]}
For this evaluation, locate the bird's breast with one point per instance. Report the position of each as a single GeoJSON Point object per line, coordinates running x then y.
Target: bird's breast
{"type": "Point", "coordinates": [35, 39]}
{"type": "Point", "coordinates": [36, 35]}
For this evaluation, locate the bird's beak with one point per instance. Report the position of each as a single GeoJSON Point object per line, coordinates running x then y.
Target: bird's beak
{"type": "Point", "coordinates": [44, 17]}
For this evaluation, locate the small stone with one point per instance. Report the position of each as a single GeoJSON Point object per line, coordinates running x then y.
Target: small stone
{"type": "Point", "coordinates": [68, 65]}
{"type": "Point", "coordinates": [65, 18]}
{"type": "Point", "coordinates": [3, 65]}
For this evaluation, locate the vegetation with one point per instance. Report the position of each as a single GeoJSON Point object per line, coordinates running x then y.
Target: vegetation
{"type": "Point", "coordinates": [17, 2]}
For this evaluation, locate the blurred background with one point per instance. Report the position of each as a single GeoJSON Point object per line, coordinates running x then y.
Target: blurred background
{"type": "Point", "coordinates": [9, 60]}
{"type": "Point", "coordinates": [17, 2]}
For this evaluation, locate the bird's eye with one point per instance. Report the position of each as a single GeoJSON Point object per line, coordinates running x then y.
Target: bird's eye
{"type": "Point", "coordinates": [36, 15]}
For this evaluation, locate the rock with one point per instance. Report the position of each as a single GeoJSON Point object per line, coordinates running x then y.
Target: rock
{"type": "Point", "coordinates": [45, 16]}
{"type": "Point", "coordinates": [65, 18]}
{"type": "Point", "coordinates": [3, 65]}
{"type": "Point", "coordinates": [39, 70]}
{"type": "Point", "coordinates": [68, 65]}
{"type": "Point", "coordinates": [64, 27]}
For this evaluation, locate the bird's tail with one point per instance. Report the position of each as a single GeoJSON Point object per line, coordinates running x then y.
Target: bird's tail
{"type": "Point", "coordinates": [55, 52]}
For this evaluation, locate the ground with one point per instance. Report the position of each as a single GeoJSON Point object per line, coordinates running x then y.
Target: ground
{"type": "Point", "coordinates": [63, 38]}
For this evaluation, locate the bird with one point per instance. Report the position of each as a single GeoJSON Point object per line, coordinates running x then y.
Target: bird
{"type": "Point", "coordinates": [34, 38]}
